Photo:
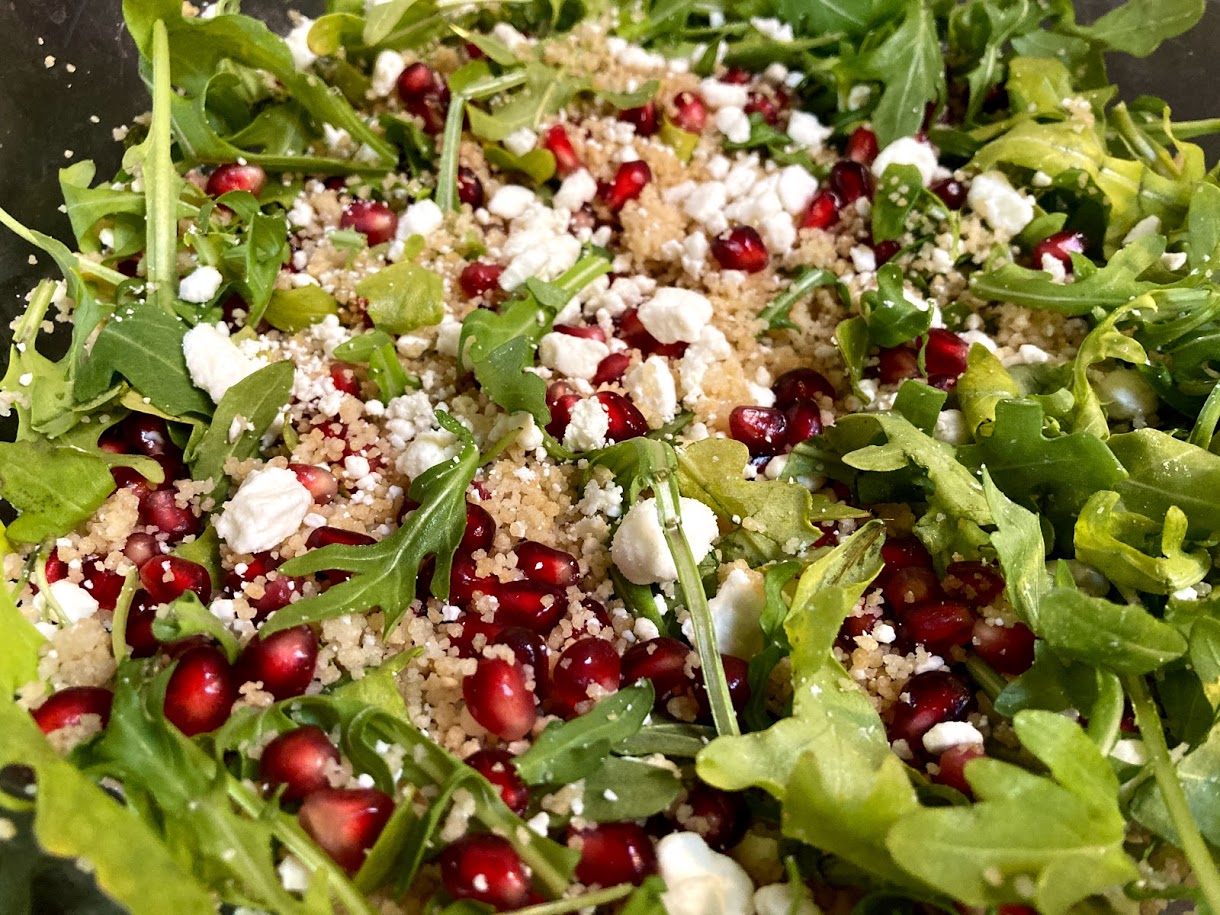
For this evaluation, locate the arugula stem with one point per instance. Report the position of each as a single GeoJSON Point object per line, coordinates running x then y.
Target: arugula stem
{"type": "Point", "coordinates": [582, 273]}
{"type": "Point", "coordinates": [776, 314]}
{"type": "Point", "coordinates": [451, 138]}
{"type": "Point", "coordinates": [84, 267]}
{"type": "Point", "coordinates": [577, 903]}
{"type": "Point", "coordinates": [1205, 426]}
{"type": "Point", "coordinates": [985, 676]}
{"type": "Point", "coordinates": [1188, 130]}
{"type": "Point", "coordinates": [1190, 839]}
{"type": "Point", "coordinates": [39, 575]}
{"type": "Point", "coordinates": [161, 182]}
{"type": "Point", "coordinates": [118, 623]}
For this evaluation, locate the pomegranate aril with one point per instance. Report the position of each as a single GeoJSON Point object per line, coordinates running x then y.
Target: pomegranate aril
{"type": "Point", "coordinates": [884, 251]}
{"type": "Point", "coordinates": [278, 592]}
{"type": "Point", "coordinates": [556, 140]}
{"type": "Point", "coordinates": [741, 248]}
{"type": "Point", "coordinates": [320, 482]}
{"type": "Point", "coordinates": [928, 699]}
{"type": "Point", "coordinates": [1008, 649]}
{"type": "Point", "coordinates": [945, 353]}
{"type": "Point", "coordinates": [850, 181]}
{"type": "Point", "coordinates": [764, 430]}
{"type": "Point", "coordinates": [469, 187]}
{"type": "Point", "coordinates": [896, 364]}
{"type": "Point", "coordinates": [862, 146]}
{"type": "Point", "coordinates": [345, 822]}
{"type": "Point", "coordinates": [480, 529]}
{"type": "Point", "coordinates": [160, 510]}
{"type": "Point", "coordinates": [854, 626]}
{"type": "Point", "coordinates": [539, 562]}
{"type": "Point", "coordinates": [628, 183]}
{"type": "Point", "coordinates": [283, 661]}
{"type": "Point", "coordinates": [148, 435]}
{"type": "Point", "coordinates": [800, 385]}
{"type": "Point", "coordinates": [66, 707]}
{"type": "Point", "coordinates": [906, 587]}
{"type": "Point", "coordinates": [643, 118]}
{"type": "Point", "coordinates": [823, 210]}
{"type": "Point", "coordinates": [587, 332]}
{"type": "Point", "coordinates": [201, 691]}
{"type": "Point", "coordinates": [952, 193]}
{"type": "Point", "coordinates": [299, 760]}
{"type": "Point", "coordinates": [588, 669]}
{"type": "Point", "coordinates": [373, 219]}
{"type": "Point", "coordinates": [497, 767]}
{"type": "Point", "coordinates": [952, 765]}
{"type": "Point", "coordinates": [903, 552]}
{"type": "Point", "coordinates": [690, 112]}
{"type": "Point", "coordinates": [55, 569]}
{"type": "Point", "coordinates": [425, 95]}
{"type": "Point", "coordinates": [139, 635]}
{"type": "Point", "coordinates": [938, 625]}
{"type": "Point", "coordinates": [464, 581]}
{"type": "Point", "coordinates": [613, 854]}
{"type": "Point", "coordinates": [480, 279]}
{"type": "Point", "coordinates": [499, 699]}
{"type": "Point", "coordinates": [102, 584]}
{"type": "Point", "coordinates": [757, 103]}
{"type": "Point", "coordinates": [975, 583]}
{"type": "Point", "coordinates": [473, 635]}
{"type": "Point", "coordinates": [485, 868]}
{"type": "Point", "coordinates": [167, 578]}
{"type": "Point", "coordinates": [233, 176]}
{"type": "Point", "coordinates": [535, 605]}
{"type": "Point", "coordinates": [343, 377]}
{"type": "Point", "coordinates": [737, 674]}
{"type": "Point", "coordinates": [719, 816]}
{"type": "Point", "coordinates": [531, 651]}
{"type": "Point", "coordinates": [139, 548]}
{"type": "Point", "coordinates": [736, 76]}
{"type": "Point", "coordinates": [804, 422]}
{"type": "Point", "coordinates": [626, 421]}
{"type": "Point", "coordinates": [1060, 247]}
{"type": "Point", "coordinates": [663, 662]}
{"type": "Point", "coordinates": [612, 368]}
{"type": "Point", "coordinates": [332, 536]}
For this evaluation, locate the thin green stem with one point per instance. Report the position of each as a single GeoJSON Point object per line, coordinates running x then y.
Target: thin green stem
{"type": "Point", "coordinates": [451, 138]}
{"type": "Point", "coordinates": [161, 182]}
{"type": "Point", "coordinates": [1188, 130]}
{"type": "Point", "coordinates": [985, 676]}
{"type": "Point", "coordinates": [776, 314]}
{"type": "Point", "coordinates": [1190, 840]}
{"type": "Point", "coordinates": [577, 903]}
{"type": "Point", "coordinates": [1205, 426]}
{"type": "Point", "coordinates": [118, 624]}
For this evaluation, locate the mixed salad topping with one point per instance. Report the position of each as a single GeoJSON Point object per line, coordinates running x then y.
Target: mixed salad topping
{"type": "Point", "coordinates": [689, 457]}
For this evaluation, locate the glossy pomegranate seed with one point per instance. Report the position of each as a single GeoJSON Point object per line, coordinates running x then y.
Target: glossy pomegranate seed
{"type": "Point", "coordinates": [850, 181]}
{"type": "Point", "coordinates": [497, 767]}
{"type": "Point", "coordinates": [760, 104]}
{"type": "Point", "coordinates": [737, 673]}
{"type": "Point", "coordinates": [823, 210]}
{"type": "Point", "coordinates": [425, 95]}
{"type": "Point", "coordinates": [235, 177]}
{"type": "Point", "coordinates": [535, 605]}
{"type": "Point", "coordinates": [320, 482]}
{"type": "Point", "coordinates": [55, 569]}
{"type": "Point", "coordinates": [480, 278]}
{"type": "Point", "coordinates": [147, 435]}
{"type": "Point", "coordinates": [896, 364]}
{"type": "Point", "coordinates": [1009, 649]}
{"type": "Point", "coordinates": [499, 700]}
{"type": "Point", "coordinates": [539, 562]}
{"type": "Point", "coordinates": [587, 332]}
{"type": "Point", "coordinates": [719, 816]}
{"type": "Point", "coordinates": [800, 385]}
{"type": "Point", "coordinates": [633, 332]}
{"type": "Point", "coordinates": [884, 251]}
{"type": "Point", "coordinates": [299, 760]}
{"type": "Point", "coordinates": [741, 248]}
{"type": "Point", "coordinates": [663, 662]}
{"type": "Point", "coordinates": [927, 700]}
{"type": "Point", "coordinates": [345, 822]}
{"type": "Point", "coordinates": [690, 112]}
{"type": "Point", "coordinates": [561, 414]}
{"type": "Point", "coordinates": [531, 651]}
{"type": "Point", "coordinates": [764, 430]}
{"type": "Point", "coordinates": [1060, 247]}
{"type": "Point", "coordinates": [903, 552]}
{"type": "Point", "coordinates": [480, 529]}
{"type": "Point", "coordinates": [626, 421]}
{"type": "Point", "coordinates": [736, 76]}
{"type": "Point", "coordinates": [169, 577]}
{"type": "Point", "coordinates": [976, 583]}
{"type": "Point", "coordinates": [613, 853]}
{"type": "Point", "coordinates": [952, 765]}
{"type": "Point", "coordinates": [938, 625]}
{"type": "Point", "coordinates": [331, 536]}
{"type": "Point", "coordinates": [283, 661]}
{"type": "Point", "coordinates": [612, 368]}
{"type": "Point", "coordinates": [473, 636]}
{"type": "Point", "coordinates": [951, 192]}
{"type": "Point", "coordinates": [643, 118]}
{"type": "Point", "coordinates": [469, 187]}
{"type": "Point", "coordinates": [629, 182]}
{"type": "Point", "coordinates": [556, 140]}
{"type": "Point", "coordinates": [160, 510]}
{"type": "Point", "coordinates": [855, 626]}
{"type": "Point", "coordinates": [588, 669]}
{"type": "Point", "coordinates": [594, 619]}
{"type": "Point", "coordinates": [862, 146]}
{"type": "Point", "coordinates": [485, 868]}
{"type": "Point", "coordinates": [139, 635]}
{"type": "Point", "coordinates": [66, 707]}
{"type": "Point", "coordinates": [343, 377]}
{"type": "Point", "coordinates": [464, 581]}
{"type": "Point", "coordinates": [102, 584]}
{"type": "Point", "coordinates": [139, 548]}
{"type": "Point", "coordinates": [945, 353]}
{"type": "Point", "coordinates": [201, 691]}
{"type": "Point", "coordinates": [909, 586]}
{"type": "Point", "coordinates": [804, 422]}
{"type": "Point", "coordinates": [376, 221]}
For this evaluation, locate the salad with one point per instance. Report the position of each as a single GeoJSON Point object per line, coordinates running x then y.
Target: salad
{"type": "Point", "coordinates": [688, 457]}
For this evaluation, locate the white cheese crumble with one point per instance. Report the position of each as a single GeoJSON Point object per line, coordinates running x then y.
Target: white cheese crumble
{"type": "Point", "coordinates": [575, 357]}
{"type": "Point", "coordinates": [590, 421]}
{"type": "Point", "coordinates": [576, 190]}
{"type": "Point", "coordinates": [519, 142]}
{"type": "Point", "coordinates": [674, 314]}
{"type": "Point", "coordinates": [908, 151]}
{"type": "Point", "coordinates": [700, 881]}
{"type": "Point", "coordinates": [724, 95]}
{"type": "Point", "coordinates": [736, 609]}
{"type": "Point", "coordinates": [1004, 208]}
{"type": "Point", "coordinates": [386, 70]}
{"type": "Point", "coordinates": [200, 285]}
{"type": "Point", "coordinates": [510, 201]}
{"type": "Point", "coordinates": [267, 508]}
{"type": "Point", "coordinates": [73, 600]}
{"type": "Point", "coordinates": [778, 899]}
{"type": "Point", "coordinates": [946, 734]}
{"type": "Point", "coordinates": [214, 362]}
{"type": "Point", "coordinates": [298, 44]}
{"type": "Point", "coordinates": [806, 130]}
{"type": "Point", "coordinates": [426, 451]}
{"type": "Point", "coordinates": [651, 387]}
{"type": "Point", "coordinates": [734, 123]}
{"type": "Point", "coordinates": [639, 548]}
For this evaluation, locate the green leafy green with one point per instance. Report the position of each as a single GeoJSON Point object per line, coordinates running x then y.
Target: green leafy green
{"type": "Point", "coordinates": [892, 318]}
{"type": "Point", "coordinates": [186, 616]}
{"type": "Point", "coordinates": [403, 297]}
{"type": "Point", "coordinates": [983, 385]}
{"type": "Point", "coordinates": [899, 193]}
{"type": "Point", "coordinates": [1124, 638]}
{"type": "Point", "coordinates": [53, 487]}
{"type": "Point", "coordinates": [629, 789]}
{"type": "Point", "coordinates": [377, 349]}
{"type": "Point", "coordinates": [778, 313]}
{"type": "Point", "coordinates": [1164, 472]}
{"type": "Point", "coordinates": [911, 64]}
{"type": "Point", "coordinates": [19, 650]}
{"type": "Point", "coordinates": [295, 309]}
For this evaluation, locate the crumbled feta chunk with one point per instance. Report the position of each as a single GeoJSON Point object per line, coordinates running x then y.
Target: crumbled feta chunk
{"type": "Point", "coordinates": [267, 508]}
{"type": "Point", "coordinates": [200, 285]}
{"type": "Point", "coordinates": [510, 201]}
{"type": "Point", "coordinates": [674, 314]}
{"type": "Point", "coordinates": [700, 881]}
{"type": "Point", "coordinates": [587, 428]}
{"type": "Point", "coordinates": [386, 70]}
{"type": "Point", "coordinates": [946, 734]}
{"type": "Point", "coordinates": [422, 218]}
{"type": "Point", "coordinates": [908, 151]}
{"type": "Point", "coordinates": [951, 427]}
{"type": "Point", "coordinates": [718, 94]}
{"type": "Point", "coordinates": [426, 451]}
{"type": "Point", "coordinates": [777, 899]}
{"type": "Point", "coordinates": [575, 357]}
{"type": "Point", "coordinates": [806, 130]}
{"type": "Point", "coordinates": [76, 602]}
{"type": "Point", "coordinates": [214, 362]}
{"type": "Point", "coordinates": [576, 190]}
{"type": "Point", "coordinates": [298, 45]}
{"type": "Point", "coordinates": [519, 142]}
{"type": "Point", "coordinates": [1004, 208]}
{"type": "Point", "coordinates": [639, 548]}
{"type": "Point", "coordinates": [736, 609]}
{"type": "Point", "coordinates": [1149, 225]}
{"type": "Point", "coordinates": [734, 123]}
{"type": "Point", "coordinates": [651, 387]}
{"type": "Point", "coordinates": [796, 188]}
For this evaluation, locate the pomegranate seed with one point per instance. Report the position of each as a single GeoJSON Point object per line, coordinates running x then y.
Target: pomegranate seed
{"type": "Point", "coordinates": [945, 353]}
{"type": "Point", "coordinates": [909, 586]}
{"type": "Point", "coordinates": [741, 248]}
{"type": "Point", "coordinates": [497, 767]}
{"type": "Point", "coordinates": [561, 414]}
{"type": "Point", "coordinates": [594, 619]}
{"type": "Point", "coordinates": [343, 377]}
{"type": "Point", "coordinates": [804, 422]}
{"type": "Point", "coordinates": [975, 583]}
{"type": "Point", "coordinates": [629, 182]}
{"type": "Point", "coordinates": [896, 364]}
{"type": "Point", "coordinates": [862, 146]}
{"type": "Point", "coordinates": [485, 868]}
{"type": "Point", "coordinates": [464, 582]}
{"type": "Point", "coordinates": [469, 187]}
{"type": "Point", "coordinates": [55, 569]}
{"type": "Point", "coordinates": [160, 510]}
{"type": "Point", "coordinates": [66, 707]}
{"type": "Point", "coordinates": [586, 332]}
{"type": "Point", "coordinates": [147, 435]}
{"type": "Point", "coordinates": [235, 177]}
{"type": "Point", "coordinates": [952, 765]}
{"type": "Point", "coordinates": [757, 103]}
{"type": "Point", "coordinates": [283, 661]}
{"type": "Point", "coordinates": [613, 853]}
{"type": "Point", "coordinates": [800, 385]}
{"type": "Point", "coordinates": [690, 112]}
{"type": "Point", "coordinates": [632, 330]}
{"type": "Point", "coordinates": [643, 118]}
{"type": "Point", "coordinates": [850, 181]}
{"type": "Point", "coordinates": [535, 605]}
{"type": "Point", "coordinates": [884, 251]}
{"type": "Point", "coordinates": [939, 625]}
{"type": "Point", "coordinates": [480, 529]}
{"type": "Point", "coordinates": [531, 651]}
{"type": "Point", "coordinates": [737, 673]}
{"type": "Point", "coordinates": [556, 140]}
{"type": "Point", "coordinates": [903, 552]}
{"type": "Point", "coordinates": [330, 536]}
{"type": "Point", "coordinates": [719, 816]}
{"type": "Point", "coordinates": [1060, 247]}
{"type": "Point", "coordinates": [855, 626]}
{"type": "Point", "coordinates": [201, 691]}
{"type": "Point", "coordinates": [499, 700]}
{"type": "Point", "coordinates": [139, 635]}
{"type": "Point", "coordinates": [546, 564]}
{"type": "Point", "coordinates": [167, 578]}
{"type": "Point", "coordinates": [586, 665]}
{"type": "Point", "coordinates": [735, 76]}
{"type": "Point", "coordinates": [425, 95]}
{"type": "Point", "coordinates": [928, 699]}
{"type": "Point", "coordinates": [952, 193]}
{"type": "Point", "coordinates": [557, 392]}
{"type": "Point", "coordinates": [376, 221]}
{"type": "Point", "coordinates": [299, 760]}
{"type": "Point", "coordinates": [663, 662]}
{"type": "Point", "coordinates": [473, 636]}
{"type": "Point", "coordinates": [278, 593]}
{"type": "Point", "coordinates": [320, 482]}
{"type": "Point", "coordinates": [345, 822]}
{"type": "Point", "coordinates": [612, 368]}
{"type": "Point", "coordinates": [480, 279]}
{"type": "Point", "coordinates": [626, 421]}
{"type": "Point", "coordinates": [1009, 649]}
{"type": "Point", "coordinates": [763, 430]}
{"type": "Point", "coordinates": [102, 583]}
{"type": "Point", "coordinates": [139, 548]}
{"type": "Point", "coordinates": [823, 210]}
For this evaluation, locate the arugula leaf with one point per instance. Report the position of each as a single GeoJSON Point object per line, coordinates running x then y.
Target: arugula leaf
{"type": "Point", "coordinates": [1104, 342]}
{"type": "Point", "coordinates": [377, 349]}
{"type": "Point", "coordinates": [775, 640]}
{"type": "Point", "coordinates": [777, 313]}
{"type": "Point", "coordinates": [1139, 26]}
{"type": "Point", "coordinates": [88, 206]}
{"type": "Point", "coordinates": [291, 310]}
{"type": "Point", "coordinates": [161, 180]}
{"type": "Point", "coordinates": [186, 616]}
{"type": "Point", "coordinates": [899, 192]}
{"type": "Point", "coordinates": [1022, 553]}
{"type": "Point", "coordinates": [629, 789]}
{"type": "Point", "coordinates": [545, 91]}
{"type": "Point", "coordinates": [984, 385]}
{"type": "Point", "coordinates": [892, 318]}
{"type": "Point", "coordinates": [1199, 774]}
{"type": "Point", "coordinates": [403, 297]}
{"type": "Point", "coordinates": [503, 377]}
{"type": "Point", "coordinates": [385, 573]}
{"type": "Point", "coordinates": [538, 164]}
{"type": "Point", "coordinates": [911, 65]}
{"type": "Point", "coordinates": [53, 487]}
{"type": "Point", "coordinates": [19, 650]}
{"type": "Point", "coordinates": [1163, 472]}
{"type": "Point", "coordinates": [1124, 638]}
